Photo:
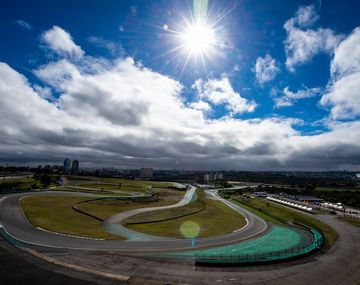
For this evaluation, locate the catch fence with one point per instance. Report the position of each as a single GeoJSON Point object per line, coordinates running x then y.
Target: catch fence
{"type": "Point", "coordinates": [262, 257]}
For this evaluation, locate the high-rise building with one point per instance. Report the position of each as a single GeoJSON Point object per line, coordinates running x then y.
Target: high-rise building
{"type": "Point", "coordinates": [74, 167]}
{"type": "Point", "coordinates": [207, 177]}
{"type": "Point", "coordinates": [67, 166]}
{"type": "Point", "coordinates": [220, 176]}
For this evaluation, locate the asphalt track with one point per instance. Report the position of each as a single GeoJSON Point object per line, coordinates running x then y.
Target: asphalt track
{"type": "Point", "coordinates": [339, 266]}
{"type": "Point", "coordinates": [17, 226]}
{"type": "Point", "coordinates": [113, 224]}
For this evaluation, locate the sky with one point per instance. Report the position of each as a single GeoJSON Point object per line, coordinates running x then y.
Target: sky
{"type": "Point", "coordinates": [202, 85]}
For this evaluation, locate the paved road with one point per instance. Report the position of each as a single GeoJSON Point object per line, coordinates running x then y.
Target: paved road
{"type": "Point", "coordinates": [17, 267]}
{"type": "Point", "coordinates": [339, 266]}
{"type": "Point", "coordinates": [113, 224]}
{"type": "Point", "coordinates": [13, 220]}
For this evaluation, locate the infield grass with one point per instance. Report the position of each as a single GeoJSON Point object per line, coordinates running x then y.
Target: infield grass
{"type": "Point", "coordinates": [55, 213]}
{"type": "Point", "coordinates": [281, 215]}
{"type": "Point", "coordinates": [216, 219]}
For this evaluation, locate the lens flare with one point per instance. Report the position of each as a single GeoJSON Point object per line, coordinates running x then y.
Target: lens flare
{"type": "Point", "coordinates": [190, 229]}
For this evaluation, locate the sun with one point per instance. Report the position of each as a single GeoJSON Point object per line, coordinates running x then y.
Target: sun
{"type": "Point", "coordinates": [198, 38]}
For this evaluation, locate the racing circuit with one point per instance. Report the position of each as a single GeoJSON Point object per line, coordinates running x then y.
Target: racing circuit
{"type": "Point", "coordinates": [259, 238]}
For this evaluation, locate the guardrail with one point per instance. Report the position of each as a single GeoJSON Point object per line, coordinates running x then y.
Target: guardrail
{"type": "Point", "coordinates": [262, 258]}
{"type": "Point", "coordinates": [11, 239]}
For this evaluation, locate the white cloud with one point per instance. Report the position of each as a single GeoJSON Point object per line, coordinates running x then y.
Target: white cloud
{"type": "Point", "coordinates": [220, 91]}
{"type": "Point", "coordinates": [282, 101]}
{"type": "Point", "coordinates": [289, 97]}
{"type": "Point", "coordinates": [301, 43]}
{"type": "Point", "coordinates": [61, 42]}
{"type": "Point", "coordinates": [265, 69]}
{"type": "Point", "coordinates": [306, 16]}
{"type": "Point", "coordinates": [24, 24]}
{"type": "Point", "coordinates": [343, 91]}
{"type": "Point", "coordinates": [117, 113]}
{"type": "Point", "coordinates": [200, 105]}
{"type": "Point", "coordinates": [115, 49]}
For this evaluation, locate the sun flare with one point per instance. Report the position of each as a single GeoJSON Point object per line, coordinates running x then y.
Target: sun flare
{"type": "Point", "coordinates": [198, 38]}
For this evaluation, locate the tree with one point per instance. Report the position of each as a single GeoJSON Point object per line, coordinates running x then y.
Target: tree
{"type": "Point", "coordinates": [45, 180]}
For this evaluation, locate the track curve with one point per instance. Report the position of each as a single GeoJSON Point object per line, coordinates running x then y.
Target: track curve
{"type": "Point", "coordinates": [17, 226]}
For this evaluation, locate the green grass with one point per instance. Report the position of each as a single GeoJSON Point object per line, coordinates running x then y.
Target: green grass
{"type": "Point", "coordinates": [215, 219]}
{"type": "Point", "coordinates": [95, 192]}
{"type": "Point", "coordinates": [108, 207]}
{"type": "Point", "coordinates": [139, 183]}
{"type": "Point", "coordinates": [168, 214]}
{"type": "Point", "coordinates": [354, 222]}
{"type": "Point", "coordinates": [114, 184]}
{"type": "Point", "coordinates": [19, 184]}
{"type": "Point", "coordinates": [281, 215]}
{"type": "Point", "coordinates": [126, 188]}
{"type": "Point", "coordinates": [323, 189]}
{"type": "Point", "coordinates": [56, 214]}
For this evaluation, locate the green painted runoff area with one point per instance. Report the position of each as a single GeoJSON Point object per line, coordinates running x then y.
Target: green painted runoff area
{"type": "Point", "coordinates": [277, 239]}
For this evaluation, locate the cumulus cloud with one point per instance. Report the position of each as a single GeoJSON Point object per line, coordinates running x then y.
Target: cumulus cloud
{"type": "Point", "coordinates": [303, 43]}
{"type": "Point", "coordinates": [118, 113]}
{"type": "Point", "coordinates": [265, 69]}
{"type": "Point", "coordinates": [200, 105]}
{"type": "Point", "coordinates": [305, 16]}
{"type": "Point", "coordinates": [220, 91]}
{"type": "Point", "coordinates": [343, 90]}
{"type": "Point", "coordinates": [289, 97]}
{"type": "Point", "coordinates": [61, 42]}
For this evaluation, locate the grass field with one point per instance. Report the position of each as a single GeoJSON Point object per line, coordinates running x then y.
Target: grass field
{"type": "Point", "coordinates": [215, 219]}
{"type": "Point", "coordinates": [323, 189]}
{"type": "Point", "coordinates": [138, 183]}
{"type": "Point", "coordinates": [354, 222]}
{"type": "Point", "coordinates": [56, 214]}
{"type": "Point", "coordinates": [19, 184]}
{"type": "Point", "coordinates": [122, 187]}
{"type": "Point", "coordinates": [108, 207]}
{"type": "Point", "coordinates": [168, 214]}
{"type": "Point", "coordinates": [95, 192]}
{"type": "Point", "coordinates": [281, 215]}
{"type": "Point", "coordinates": [113, 184]}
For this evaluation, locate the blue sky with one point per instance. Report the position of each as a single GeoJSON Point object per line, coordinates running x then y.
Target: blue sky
{"type": "Point", "coordinates": [116, 82]}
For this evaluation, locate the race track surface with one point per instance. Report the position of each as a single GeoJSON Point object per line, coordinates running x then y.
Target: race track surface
{"type": "Point", "coordinates": [16, 225]}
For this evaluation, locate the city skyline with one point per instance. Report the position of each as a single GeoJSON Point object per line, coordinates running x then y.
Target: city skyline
{"type": "Point", "coordinates": [219, 85]}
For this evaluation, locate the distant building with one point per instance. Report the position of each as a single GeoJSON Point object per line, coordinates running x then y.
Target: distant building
{"type": "Point", "coordinates": [75, 167]}
{"type": "Point", "coordinates": [261, 194]}
{"type": "Point", "coordinates": [67, 166]}
{"type": "Point", "coordinates": [207, 177]}
{"type": "Point", "coordinates": [308, 199]}
{"type": "Point", "coordinates": [146, 173]}
{"type": "Point", "coordinates": [213, 176]}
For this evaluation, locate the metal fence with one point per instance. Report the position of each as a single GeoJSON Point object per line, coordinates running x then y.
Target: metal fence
{"type": "Point", "coordinates": [259, 257]}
